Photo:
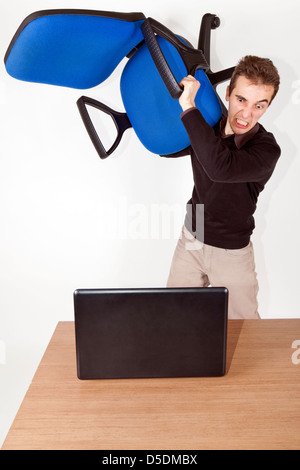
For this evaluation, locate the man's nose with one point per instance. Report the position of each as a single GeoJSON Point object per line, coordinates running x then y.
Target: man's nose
{"type": "Point", "coordinates": [246, 112]}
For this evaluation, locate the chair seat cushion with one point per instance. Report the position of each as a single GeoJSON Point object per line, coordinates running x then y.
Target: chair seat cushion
{"type": "Point", "coordinates": [153, 113]}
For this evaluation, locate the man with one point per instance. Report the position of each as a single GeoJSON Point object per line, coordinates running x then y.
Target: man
{"type": "Point", "coordinates": [231, 164]}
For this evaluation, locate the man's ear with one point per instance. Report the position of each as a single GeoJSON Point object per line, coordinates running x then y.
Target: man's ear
{"type": "Point", "coordinates": [227, 94]}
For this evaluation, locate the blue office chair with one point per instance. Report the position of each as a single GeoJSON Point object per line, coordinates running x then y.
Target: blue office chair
{"type": "Point", "coordinates": [81, 48]}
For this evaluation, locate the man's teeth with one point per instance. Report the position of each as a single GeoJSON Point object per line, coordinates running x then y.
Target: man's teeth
{"type": "Point", "coordinates": [243, 123]}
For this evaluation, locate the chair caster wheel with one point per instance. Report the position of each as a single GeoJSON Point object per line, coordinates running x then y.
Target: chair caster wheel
{"type": "Point", "coordinates": [215, 22]}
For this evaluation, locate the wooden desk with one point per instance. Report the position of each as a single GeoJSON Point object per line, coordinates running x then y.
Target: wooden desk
{"type": "Point", "coordinates": [255, 406]}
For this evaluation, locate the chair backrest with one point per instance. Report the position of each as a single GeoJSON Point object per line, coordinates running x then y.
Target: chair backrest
{"type": "Point", "coordinates": [72, 48]}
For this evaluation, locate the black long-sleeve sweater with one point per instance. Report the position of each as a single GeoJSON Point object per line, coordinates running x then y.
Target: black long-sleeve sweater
{"type": "Point", "coordinates": [229, 173]}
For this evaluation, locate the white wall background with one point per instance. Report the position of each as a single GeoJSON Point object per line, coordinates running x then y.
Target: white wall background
{"type": "Point", "coordinates": [70, 220]}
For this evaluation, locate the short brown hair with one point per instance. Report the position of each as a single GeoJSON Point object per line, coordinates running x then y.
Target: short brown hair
{"type": "Point", "coordinates": [258, 70]}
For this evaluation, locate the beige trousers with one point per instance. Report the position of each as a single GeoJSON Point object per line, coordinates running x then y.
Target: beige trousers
{"type": "Point", "coordinates": [198, 265]}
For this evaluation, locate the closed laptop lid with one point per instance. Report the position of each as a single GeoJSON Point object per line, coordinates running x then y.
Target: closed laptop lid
{"type": "Point", "coordinates": [144, 333]}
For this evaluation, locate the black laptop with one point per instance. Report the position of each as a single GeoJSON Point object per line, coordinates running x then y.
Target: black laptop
{"type": "Point", "coordinates": [147, 333]}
